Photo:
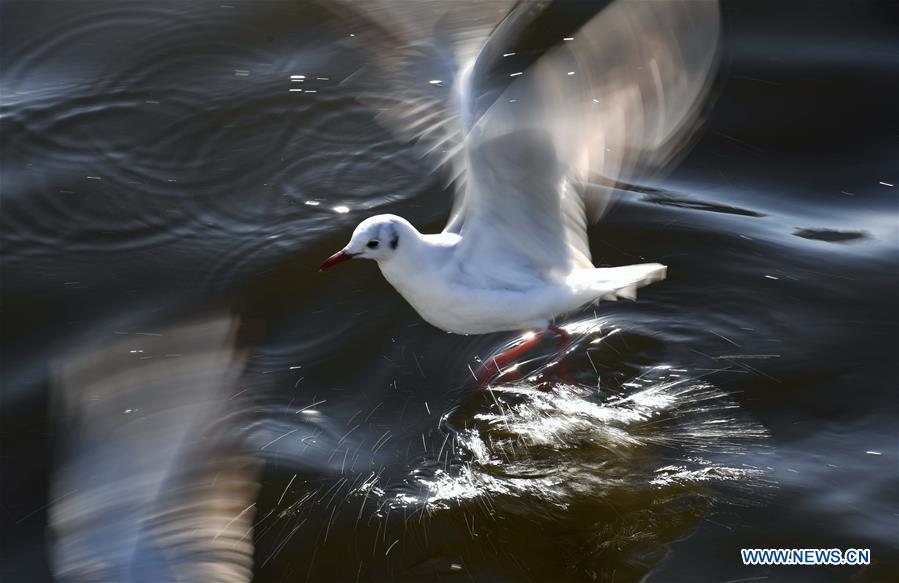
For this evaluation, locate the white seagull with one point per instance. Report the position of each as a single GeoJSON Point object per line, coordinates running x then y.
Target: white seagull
{"type": "Point", "coordinates": [536, 138]}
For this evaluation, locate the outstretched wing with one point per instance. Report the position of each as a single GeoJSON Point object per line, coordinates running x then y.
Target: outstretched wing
{"type": "Point", "coordinates": [418, 53]}
{"type": "Point", "coordinates": [619, 96]}
{"type": "Point", "coordinates": [536, 109]}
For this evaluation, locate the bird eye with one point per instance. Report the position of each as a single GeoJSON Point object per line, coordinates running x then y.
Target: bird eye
{"type": "Point", "coordinates": [372, 244]}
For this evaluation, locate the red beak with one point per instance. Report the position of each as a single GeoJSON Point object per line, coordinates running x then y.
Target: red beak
{"type": "Point", "coordinates": [333, 260]}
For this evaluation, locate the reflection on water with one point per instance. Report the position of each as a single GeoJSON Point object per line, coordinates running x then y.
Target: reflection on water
{"type": "Point", "coordinates": [644, 451]}
{"type": "Point", "coordinates": [575, 442]}
{"type": "Point", "coordinates": [151, 481]}
{"type": "Point", "coordinates": [557, 445]}
{"type": "Point", "coordinates": [155, 162]}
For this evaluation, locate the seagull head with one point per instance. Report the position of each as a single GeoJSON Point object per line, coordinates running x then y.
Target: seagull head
{"type": "Point", "coordinates": [376, 238]}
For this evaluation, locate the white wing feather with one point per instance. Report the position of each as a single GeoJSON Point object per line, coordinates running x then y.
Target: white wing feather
{"type": "Point", "coordinates": [621, 97]}
{"type": "Point", "coordinates": [419, 51]}
{"type": "Point", "coordinates": [535, 157]}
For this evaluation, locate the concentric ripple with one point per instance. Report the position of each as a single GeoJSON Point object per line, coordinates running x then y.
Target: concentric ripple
{"type": "Point", "coordinates": [192, 141]}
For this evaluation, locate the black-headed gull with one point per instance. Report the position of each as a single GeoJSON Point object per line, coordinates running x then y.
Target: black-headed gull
{"type": "Point", "coordinates": [535, 152]}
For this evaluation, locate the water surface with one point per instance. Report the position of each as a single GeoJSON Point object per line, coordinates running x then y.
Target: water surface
{"type": "Point", "coordinates": [156, 164]}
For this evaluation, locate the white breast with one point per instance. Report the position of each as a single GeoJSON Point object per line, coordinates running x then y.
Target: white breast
{"type": "Point", "coordinates": [443, 301]}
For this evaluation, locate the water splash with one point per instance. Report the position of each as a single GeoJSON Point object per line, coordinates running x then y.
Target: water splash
{"type": "Point", "coordinates": [568, 444]}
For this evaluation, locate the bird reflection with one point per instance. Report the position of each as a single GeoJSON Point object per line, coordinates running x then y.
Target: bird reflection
{"type": "Point", "coordinates": [151, 482]}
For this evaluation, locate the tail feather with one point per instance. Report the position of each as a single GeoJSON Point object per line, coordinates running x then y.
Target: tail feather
{"type": "Point", "coordinates": [612, 283]}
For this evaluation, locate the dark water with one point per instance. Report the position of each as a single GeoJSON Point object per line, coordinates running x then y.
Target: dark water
{"type": "Point", "coordinates": [156, 165]}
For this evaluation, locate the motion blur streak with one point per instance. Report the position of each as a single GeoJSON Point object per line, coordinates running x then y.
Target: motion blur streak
{"type": "Point", "coordinates": [151, 484]}
{"type": "Point", "coordinates": [619, 97]}
{"type": "Point", "coordinates": [661, 433]}
{"type": "Point", "coordinates": [157, 157]}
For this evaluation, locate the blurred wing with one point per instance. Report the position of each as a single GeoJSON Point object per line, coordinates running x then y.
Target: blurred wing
{"type": "Point", "coordinates": [619, 96]}
{"type": "Point", "coordinates": [419, 53]}
{"type": "Point", "coordinates": [151, 483]}
{"type": "Point", "coordinates": [535, 131]}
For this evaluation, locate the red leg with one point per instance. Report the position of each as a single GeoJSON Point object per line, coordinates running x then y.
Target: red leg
{"type": "Point", "coordinates": [564, 337]}
{"type": "Point", "coordinates": [561, 367]}
{"type": "Point", "coordinates": [494, 367]}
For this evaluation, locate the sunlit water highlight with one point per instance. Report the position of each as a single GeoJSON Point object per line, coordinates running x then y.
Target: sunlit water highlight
{"type": "Point", "coordinates": [155, 162]}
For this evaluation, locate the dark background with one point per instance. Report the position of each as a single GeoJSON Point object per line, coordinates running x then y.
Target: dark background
{"type": "Point", "coordinates": [154, 164]}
